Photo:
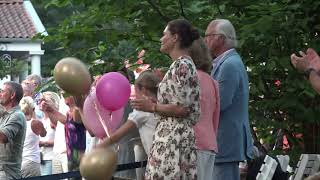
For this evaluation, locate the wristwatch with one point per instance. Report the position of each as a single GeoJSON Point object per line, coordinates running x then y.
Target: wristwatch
{"type": "Point", "coordinates": [307, 72]}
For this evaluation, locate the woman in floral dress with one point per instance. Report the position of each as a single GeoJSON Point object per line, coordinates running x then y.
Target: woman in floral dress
{"type": "Point", "coordinates": [173, 153]}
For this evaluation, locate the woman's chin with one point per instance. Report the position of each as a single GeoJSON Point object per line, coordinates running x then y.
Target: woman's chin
{"type": "Point", "coordinates": [163, 50]}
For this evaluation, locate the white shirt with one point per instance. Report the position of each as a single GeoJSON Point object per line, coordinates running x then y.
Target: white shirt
{"type": "Point", "coordinates": [47, 151]}
{"type": "Point", "coordinates": [146, 124]}
{"type": "Point", "coordinates": [31, 150]}
{"type": "Point", "coordinates": [59, 146]}
{"type": "Point", "coordinates": [217, 61]}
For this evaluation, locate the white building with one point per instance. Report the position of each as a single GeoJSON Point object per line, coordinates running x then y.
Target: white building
{"type": "Point", "coordinates": [19, 23]}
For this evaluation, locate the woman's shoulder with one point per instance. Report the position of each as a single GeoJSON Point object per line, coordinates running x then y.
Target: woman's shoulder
{"type": "Point", "coordinates": [184, 59]}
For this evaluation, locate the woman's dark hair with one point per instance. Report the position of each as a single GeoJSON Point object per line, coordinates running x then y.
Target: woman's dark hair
{"type": "Point", "coordinates": [186, 32]}
{"type": "Point", "coordinates": [148, 80]}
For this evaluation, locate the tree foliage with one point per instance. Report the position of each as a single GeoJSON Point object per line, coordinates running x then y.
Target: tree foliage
{"type": "Point", "coordinates": [268, 31]}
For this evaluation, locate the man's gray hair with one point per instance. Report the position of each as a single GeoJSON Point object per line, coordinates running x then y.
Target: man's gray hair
{"type": "Point", "coordinates": [224, 27]}
{"type": "Point", "coordinates": [15, 88]}
{"type": "Point", "coordinates": [35, 78]}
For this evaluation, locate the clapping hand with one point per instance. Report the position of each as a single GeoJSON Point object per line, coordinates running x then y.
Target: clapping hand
{"type": "Point", "coordinates": [47, 106]}
{"type": "Point", "coordinates": [307, 60]}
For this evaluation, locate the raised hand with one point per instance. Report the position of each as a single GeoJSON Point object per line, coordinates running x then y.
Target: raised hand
{"type": "Point", "coordinates": [47, 106]}
{"type": "Point", "coordinates": [300, 62]}
{"type": "Point", "coordinates": [307, 60]}
{"type": "Point", "coordinates": [313, 58]}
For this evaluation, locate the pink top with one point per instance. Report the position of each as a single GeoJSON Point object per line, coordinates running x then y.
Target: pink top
{"type": "Point", "coordinates": [207, 126]}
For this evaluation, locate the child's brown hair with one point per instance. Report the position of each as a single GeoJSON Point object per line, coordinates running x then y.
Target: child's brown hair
{"type": "Point", "coordinates": [148, 80]}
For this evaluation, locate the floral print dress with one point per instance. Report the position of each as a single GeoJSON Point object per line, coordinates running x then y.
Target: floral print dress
{"type": "Point", "coordinates": [173, 152]}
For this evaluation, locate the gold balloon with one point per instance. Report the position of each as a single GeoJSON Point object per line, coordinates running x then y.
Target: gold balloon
{"type": "Point", "coordinates": [72, 76]}
{"type": "Point", "coordinates": [98, 164]}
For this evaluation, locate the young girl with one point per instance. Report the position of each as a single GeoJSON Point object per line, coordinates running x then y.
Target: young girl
{"type": "Point", "coordinates": [145, 86]}
{"type": "Point", "coordinates": [31, 151]}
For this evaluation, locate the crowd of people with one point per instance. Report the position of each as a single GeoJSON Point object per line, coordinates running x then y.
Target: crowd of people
{"type": "Point", "coordinates": [41, 132]}
{"type": "Point", "coordinates": [192, 123]}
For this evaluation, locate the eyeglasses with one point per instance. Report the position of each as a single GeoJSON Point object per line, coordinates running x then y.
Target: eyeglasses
{"type": "Point", "coordinates": [212, 34]}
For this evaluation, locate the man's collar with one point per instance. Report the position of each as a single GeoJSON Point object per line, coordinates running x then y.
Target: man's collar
{"type": "Point", "coordinates": [17, 107]}
{"type": "Point", "coordinates": [221, 56]}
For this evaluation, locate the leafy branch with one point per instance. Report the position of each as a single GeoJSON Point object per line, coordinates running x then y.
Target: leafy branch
{"type": "Point", "coordinates": [165, 18]}
{"type": "Point", "coordinates": [181, 8]}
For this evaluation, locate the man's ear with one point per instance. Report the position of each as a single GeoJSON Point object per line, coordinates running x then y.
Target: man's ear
{"type": "Point", "coordinates": [13, 96]}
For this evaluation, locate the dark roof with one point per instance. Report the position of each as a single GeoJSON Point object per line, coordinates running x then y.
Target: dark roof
{"type": "Point", "coordinates": [15, 21]}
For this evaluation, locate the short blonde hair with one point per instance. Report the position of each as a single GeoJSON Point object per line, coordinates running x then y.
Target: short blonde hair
{"type": "Point", "coordinates": [26, 104]}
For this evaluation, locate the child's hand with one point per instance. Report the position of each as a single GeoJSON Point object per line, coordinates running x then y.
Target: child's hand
{"type": "Point", "coordinates": [105, 143]}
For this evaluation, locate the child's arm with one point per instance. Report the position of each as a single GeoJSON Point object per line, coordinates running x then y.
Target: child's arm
{"type": "Point", "coordinates": [118, 134]}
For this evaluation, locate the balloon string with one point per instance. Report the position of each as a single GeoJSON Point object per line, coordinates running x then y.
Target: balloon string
{"type": "Point", "coordinates": [117, 145]}
{"type": "Point", "coordinates": [100, 119]}
{"type": "Point", "coordinates": [104, 125]}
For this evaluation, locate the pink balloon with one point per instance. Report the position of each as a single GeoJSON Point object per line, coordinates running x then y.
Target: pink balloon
{"type": "Point", "coordinates": [91, 111]}
{"type": "Point", "coordinates": [116, 118]}
{"type": "Point", "coordinates": [113, 91]}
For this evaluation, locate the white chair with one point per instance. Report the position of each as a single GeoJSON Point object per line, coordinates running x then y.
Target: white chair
{"type": "Point", "coordinates": [284, 163]}
{"type": "Point", "coordinates": [308, 165]}
{"type": "Point", "coordinates": [267, 169]}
